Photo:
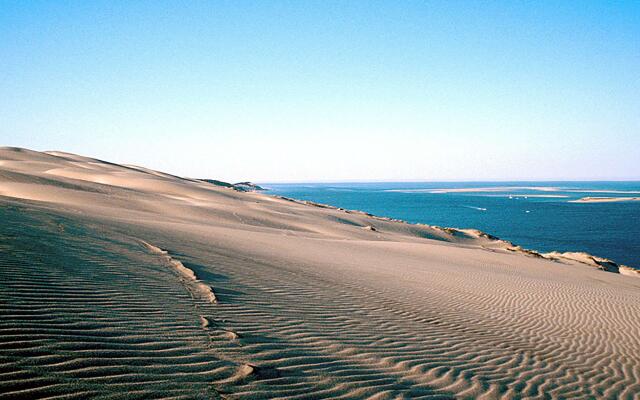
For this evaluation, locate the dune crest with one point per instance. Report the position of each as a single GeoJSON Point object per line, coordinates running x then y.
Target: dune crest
{"type": "Point", "coordinates": [192, 281]}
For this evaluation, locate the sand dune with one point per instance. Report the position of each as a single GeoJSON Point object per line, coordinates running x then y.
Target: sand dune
{"type": "Point", "coordinates": [122, 282]}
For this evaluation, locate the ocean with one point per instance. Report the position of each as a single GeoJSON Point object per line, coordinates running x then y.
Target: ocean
{"type": "Point", "coordinates": [535, 215]}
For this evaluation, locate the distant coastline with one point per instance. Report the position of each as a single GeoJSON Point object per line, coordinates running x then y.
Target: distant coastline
{"type": "Point", "coordinates": [601, 263]}
{"type": "Point", "coordinates": [517, 211]}
{"type": "Point", "coordinates": [604, 199]}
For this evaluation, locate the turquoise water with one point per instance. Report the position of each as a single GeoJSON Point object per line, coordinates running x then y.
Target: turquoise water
{"type": "Point", "coordinates": [535, 215]}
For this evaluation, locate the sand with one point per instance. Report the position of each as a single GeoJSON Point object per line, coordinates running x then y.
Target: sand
{"type": "Point", "coordinates": [604, 199]}
{"type": "Point", "coordinates": [481, 189]}
{"type": "Point", "coordinates": [123, 282]}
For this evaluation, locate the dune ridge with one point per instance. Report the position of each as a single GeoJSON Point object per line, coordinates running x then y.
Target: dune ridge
{"type": "Point", "coordinates": [312, 302]}
{"type": "Point", "coordinates": [187, 274]}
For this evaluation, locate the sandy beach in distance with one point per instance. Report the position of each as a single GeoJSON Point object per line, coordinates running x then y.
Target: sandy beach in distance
{"type": "Point", "coordinates": [604, 199]}
{"type": "Point", "coordinates": [481, 189]}
{"type": "Point", "coordinates": [124, 282]}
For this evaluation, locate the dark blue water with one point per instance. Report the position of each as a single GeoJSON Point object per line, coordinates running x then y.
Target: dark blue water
{"type": "Point", "coordinates": [522, 212]}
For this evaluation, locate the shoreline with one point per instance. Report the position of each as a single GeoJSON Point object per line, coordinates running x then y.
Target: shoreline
{"type": "Point", "coordinates": [601, 263]}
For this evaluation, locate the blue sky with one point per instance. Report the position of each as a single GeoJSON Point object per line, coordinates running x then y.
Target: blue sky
{"type": "Point", "coordinates": [329, 91]}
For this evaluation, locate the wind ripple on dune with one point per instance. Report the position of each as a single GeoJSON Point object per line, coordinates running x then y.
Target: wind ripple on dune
{"type": "Point", "coordinates": [101, 316]}
{"type": "Point", "coordinates": [82, 316]}
{"type": "Point", "coordinates": [344, 338]}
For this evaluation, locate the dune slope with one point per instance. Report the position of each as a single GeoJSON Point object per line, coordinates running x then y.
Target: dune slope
{"type": "Point", "coordinates": [123, 282]}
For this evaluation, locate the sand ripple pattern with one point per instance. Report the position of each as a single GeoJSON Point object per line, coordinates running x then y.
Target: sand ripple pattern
{"type": "Point", "coordinates": [87, 312]}
{"type": "Point", "coordinates": [436, 333]}
{"type": "Point", "coordinates": [84, 314]}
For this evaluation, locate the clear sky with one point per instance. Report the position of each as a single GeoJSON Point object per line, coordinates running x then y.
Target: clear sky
{"type": "Point", "coordinates": [328, 91]}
